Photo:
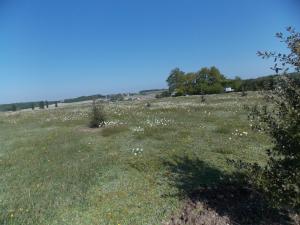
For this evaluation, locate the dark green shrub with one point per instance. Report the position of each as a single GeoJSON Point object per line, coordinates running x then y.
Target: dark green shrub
{"type": "Point", "coordinates": [279, 117]}
{"type": "Point", "coordinates": [164, 94]}
{"type": "Point", "coordinates": [97, 116]}
{"type": "Point", "coordinates": [178, 93]}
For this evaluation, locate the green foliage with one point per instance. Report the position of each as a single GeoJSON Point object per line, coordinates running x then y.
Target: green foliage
{"type": "Point", "coordinates": [281, 120]}
{"type": "Point", "coordinates": [32, 106]}
{"type": "Point", "coordinates": [97, 116]}
{"type": "Point", "coordinates": [56, 104]}
{"type": "Point", "coordinates": [279, 117]}
{"type": "Point", "coordinates": [47, 104]}
{"type": "Point", "coordinates": [176, 79]}
{"type": "Point", "coordinates": [261, 83]}
{"type": "Point", "coordinates": [237, 84]}
{"type": "Point", "coordinates": [211, 81]}
{"type": "Point", "coordinates": [178, 92]}
{"type": "Point", "coordinates": [207, 80]}
{"type": "Point", "coordinates": [150, 91]}
{"type": "Point", "coordinates": [20, 105]}
{"type": "Point", "coordinates": [164, 94]}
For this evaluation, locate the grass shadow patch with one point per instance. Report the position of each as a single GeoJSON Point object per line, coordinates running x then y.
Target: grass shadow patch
{"type": "Point", "coordinates": [223, 151]}
{"type": "Point", "coordinates": [110, 131]}
{"type": "Point", "coordinates": [223, 130]}
{"type": "Point", "coordinates": [232, 202]}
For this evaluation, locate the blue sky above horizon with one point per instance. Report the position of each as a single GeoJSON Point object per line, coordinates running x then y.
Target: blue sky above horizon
{"type": "Point", "coordinates": [56, 49]}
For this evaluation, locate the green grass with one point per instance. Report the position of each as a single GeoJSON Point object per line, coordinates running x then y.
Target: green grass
{"type": "Point", "coordinates": [54, 170]}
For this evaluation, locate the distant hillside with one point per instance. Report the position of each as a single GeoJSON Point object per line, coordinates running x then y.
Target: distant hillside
{"type": "Point", "coordinates": [151, 91]}
{"type": "Point", "coordinates": [83, 98]}
{"type": "Point", "coordinates": [266, 82]}
{"type": "Point", "coordinates": [255, 84]}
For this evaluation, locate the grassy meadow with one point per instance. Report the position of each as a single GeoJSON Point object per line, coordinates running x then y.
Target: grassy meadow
{"type": "Point", "coordinates": [135, 171]}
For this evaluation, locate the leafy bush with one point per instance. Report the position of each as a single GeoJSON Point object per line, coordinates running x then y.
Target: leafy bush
{"type": "Point", "coordinates": [97, 116]}
{"type": "Point", "coordinates": [178, 92]}
{"type": "Point", "coordinates": [279, 117]}
{"type": "Point", "coordinates": [215, 88]}
{"type": "Point", "coordinates": [281, 120]}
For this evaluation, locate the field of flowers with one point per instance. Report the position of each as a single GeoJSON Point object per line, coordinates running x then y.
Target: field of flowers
{"type": "Point", "coordinates": [55, 170]}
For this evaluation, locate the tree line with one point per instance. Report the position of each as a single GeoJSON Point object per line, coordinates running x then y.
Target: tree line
{"type": "Point", "coordinates": [212, 81]}
{"type": "Point", "coordinates": [27, 105]}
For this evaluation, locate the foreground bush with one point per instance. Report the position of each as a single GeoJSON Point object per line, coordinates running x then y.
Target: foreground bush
{"type": "Point", "coordinates": [280, 179]}
{"type": "Point", "coordinates": [280, 119]}
{"type": "Point", "coordinates": [97, 116]}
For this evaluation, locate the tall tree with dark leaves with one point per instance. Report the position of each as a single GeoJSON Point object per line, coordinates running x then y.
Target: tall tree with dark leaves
{"type": "Point", "coordinates": [176, 80]}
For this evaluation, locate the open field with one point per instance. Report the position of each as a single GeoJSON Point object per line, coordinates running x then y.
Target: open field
{"type": "Point", "coordinates": [55, 170]}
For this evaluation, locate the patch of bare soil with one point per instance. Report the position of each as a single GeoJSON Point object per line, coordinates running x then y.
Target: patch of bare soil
{"type": "Point", "coordinates": [229, 205]}
{"type": "Point", "coordinates": [200, 214]}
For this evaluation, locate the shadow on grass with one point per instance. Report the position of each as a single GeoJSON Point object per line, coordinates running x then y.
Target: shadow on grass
{"type": "Point", "coordinates": [201, 183]}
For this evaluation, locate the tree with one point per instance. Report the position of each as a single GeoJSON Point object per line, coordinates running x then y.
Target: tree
{"type": "Point", "coordinates": [32, 106]}
{"type": "Point", "coordinates": [279, 117]}
{"type": "Point", "coordinates": [47, 104]}
{"type": "Point", "coordinates": [56, 105]}
{"type": "Point", "coordinates": [41, 105]}
{"type": "Point", "coordinates": [189, 83]}
{"type": "Point", "coordinates": [237, 83]}
{"type": "Point", "coordinates": [214, 75]}
{"type": "Point", "coordinates": [176, 80]}
{"type": "Point", "coordinates": [209, 81]}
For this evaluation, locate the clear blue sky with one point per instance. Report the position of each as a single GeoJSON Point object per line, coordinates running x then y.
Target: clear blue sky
{"type": "Point", "coordinates": [54, 49]}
